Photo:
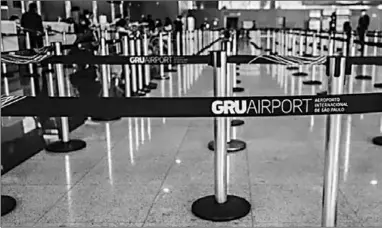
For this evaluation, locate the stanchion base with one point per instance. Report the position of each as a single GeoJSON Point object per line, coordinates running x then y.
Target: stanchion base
{"type": "Point", "coordinates": [66, 147]}
{"type": "Point", "coordinates": [162, 78]}
{"type": "Point", "coordinates": [238, 90]}
{"type": "Point", "coordinates": [363, 77]}
{"type": "Point", "coordinates": [292, 68]}
{"type": "Point", "coordinates": [377, 141]}
{"type": "Point", "coordinates": [322, 93]}
{"type": "Point", "coordinates": [106, 119]}
{"type": "Point", "coordinates": [378, 85]}
{"type": "Point", "coordinates": [146, 90]}
{"type": "Point", "coordinates": [208, 209]}
{"type": "Point", "coordinates": [232, 147]}
{"type": "Point", "coordinates": [152, 86]}
{"type": "Point", "coordinates": [139, 94]}
{"type": "Point", "coordinates": [237, 123]}
{"type": "Point", "coordinates": [300, 74]}
{"type": "Point", "coordinates": [238, 81]}
{"type": "Point", "coordinates": [170, 71]}
{"type": "Point", "coordinates": [8, 204]}
{"type": "Point", "coordinates": [312, 82]}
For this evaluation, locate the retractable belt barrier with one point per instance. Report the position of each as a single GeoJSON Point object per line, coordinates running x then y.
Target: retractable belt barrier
{"type": "Point", "coordinates": [194, 107]}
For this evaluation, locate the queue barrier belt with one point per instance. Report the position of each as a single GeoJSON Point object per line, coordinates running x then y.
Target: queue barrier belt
{"type": "Point", "coordinates": [194, 107]}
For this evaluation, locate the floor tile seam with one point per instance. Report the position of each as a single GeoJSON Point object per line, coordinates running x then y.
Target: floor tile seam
{"type": "Point", "coordinates": [165, 177]}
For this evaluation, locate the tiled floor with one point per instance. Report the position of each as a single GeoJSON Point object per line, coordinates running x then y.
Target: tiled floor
{"type": "Point", "coordinates": [147, 172]}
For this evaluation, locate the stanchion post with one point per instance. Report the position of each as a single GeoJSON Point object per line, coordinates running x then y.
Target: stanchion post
{"type": "Point", "coordinates": [30, 66]}
{"type": "Point", "coordinates": [50, 69]}
{"type": "Point", "coordinates": [332, 147]}
{"type": "Point", "coordinates": [65, 145]}
{"type": "Point", "coordinates": [220, 207]}
{"type": "Point", "coordinates": [126, 67]}
{"type": "Point", "coordinates": [5, 78]}
{"type": "Point", "coordinates": [142, 90]}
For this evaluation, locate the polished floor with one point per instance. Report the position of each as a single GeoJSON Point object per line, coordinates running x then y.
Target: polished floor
{"type": "Point", "coordinates": [147, 172]}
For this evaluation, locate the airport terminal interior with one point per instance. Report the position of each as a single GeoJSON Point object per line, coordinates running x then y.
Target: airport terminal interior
{"type": "Point", "coordinates": [210, 113]}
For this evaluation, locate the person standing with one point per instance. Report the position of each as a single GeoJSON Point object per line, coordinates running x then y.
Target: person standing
{"type": "Point", "coordinates": [31, 21]}
{"type": "Point", "coordinates": [363, 26]}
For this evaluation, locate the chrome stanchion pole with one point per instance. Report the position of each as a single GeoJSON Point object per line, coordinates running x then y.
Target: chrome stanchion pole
{"type": "Point", "coordinates": [32, 74]}
{"type": "Point", "coordinates": [142, 89]}
{"type": "Point", "coordinates": [220, 206]}
{"type": "Point", "coordinates": [169, 51]}
{"type": "Point", "coordinates": [178, 46]}
{"type": "Point", "coordinates": [126, 67]}
{"type": "Point", "coordinates": [5, 78]}
{"type": "Point", "coordinates": [332, 148]}
{"type": "Point", "coordinates": [161, 75]}
{"type": "Point", "coordinates": [50, 70]}
{"type": "Point", "coordinates": [65, 145]}
{"type": "Point", "coordinates": [150, 85]}
{"type": "Point", "coordinates": [134, 79]}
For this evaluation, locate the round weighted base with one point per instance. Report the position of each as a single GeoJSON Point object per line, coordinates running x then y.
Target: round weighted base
{"type": "Point", "coordinates": [238, 90]}
{"type": "Point", "coordinates": [378, 85]}
{"type": "Point", "coordinates": [162, 78]}
{"type": "Point", "coordinates": [146, 90]}
{"type": "Point", "coordinates": [238, 81]}
{"type": "Point", "coordinates": [363, 77]}
{"type": "Point", "coordinates": [232, 147]}
{"type": "Point", "coordinates": [300, 74]}
{"type": "Point", "coordinates": [106, 119]}
{"type": "Point", "coordinates": [8, 204]}
{"type": "Point", "coordinates": [208, 209]}
{"type": "Point", "coordinates": [237, 123]}
{"type": "Point", "coordinates": [171, 71]}
{"type": "Point", "coordinates": [322, 93]}
{"type": "Point", "coordinates": [66, 147]}
{"type": "Point", "coordinates": [312, 82]}
{"type": "Point", "coordinates": [377, 141]}
{"type": "Point", "coordinates": [152, 86]}
{"type": "Point", "coordinates": [139, 94]}
{"type": "Point", "coordinates": [292, 68]}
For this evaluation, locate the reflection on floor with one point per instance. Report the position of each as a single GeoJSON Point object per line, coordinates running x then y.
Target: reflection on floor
{"type": "Point", "coordinates": [147, 172]}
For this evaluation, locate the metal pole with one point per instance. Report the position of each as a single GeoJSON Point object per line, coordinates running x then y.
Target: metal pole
{"type": "Point", "coordinates": [38, 3]}
{"type": "Point", "coordinates": [301, 49]}
{"type": "Point", "coordinates": [169, 48]}
{"type": "Point", "coordinates": [104, 71]}
{"type": "Point", "coordinates": [133, 68]}
{"type": "Point", "coordinates": [147, 67]}
{"type": "Point", "coordinates": [229, 86]}
{"type": "Point", "coordinates": [95, 9]}
{"type": "Point", "coordinates": [140, 69]}
{"type": "Point", "coordinates": [30, 66]}
{"type": "Point", "coordinates": [61, 92]}
{"type": "Point", "coordinates": [161, 53]}
{"type": "Point", "coordinates": [6, 82]}
{"type": "Point", "coordinates": [23, 7]}
{"type": "Point", "coordinates": [178, 46]}
{"type": "Point", "coordinates": [125, 44]}
{"type": "Point", "coordinates": [68, 8]}
{"type": "Point", "coordinates": [50, 68]}
{"type": "Point", "coordinates": [112, 11]}
{"type": "Point", "coordinates": [220, 130]}
{"type": "Point", "coordinates": [332, 149]}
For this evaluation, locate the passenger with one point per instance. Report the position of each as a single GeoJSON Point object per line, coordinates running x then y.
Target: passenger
{"type": "Point", "coordinates": [32, 22]}
{"type": "Point", "coordinates": [151, 23]}
{"type": "Point", "coordinates": [168, 25]}
{"type": "Point", "coordinates": [363, 26]}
